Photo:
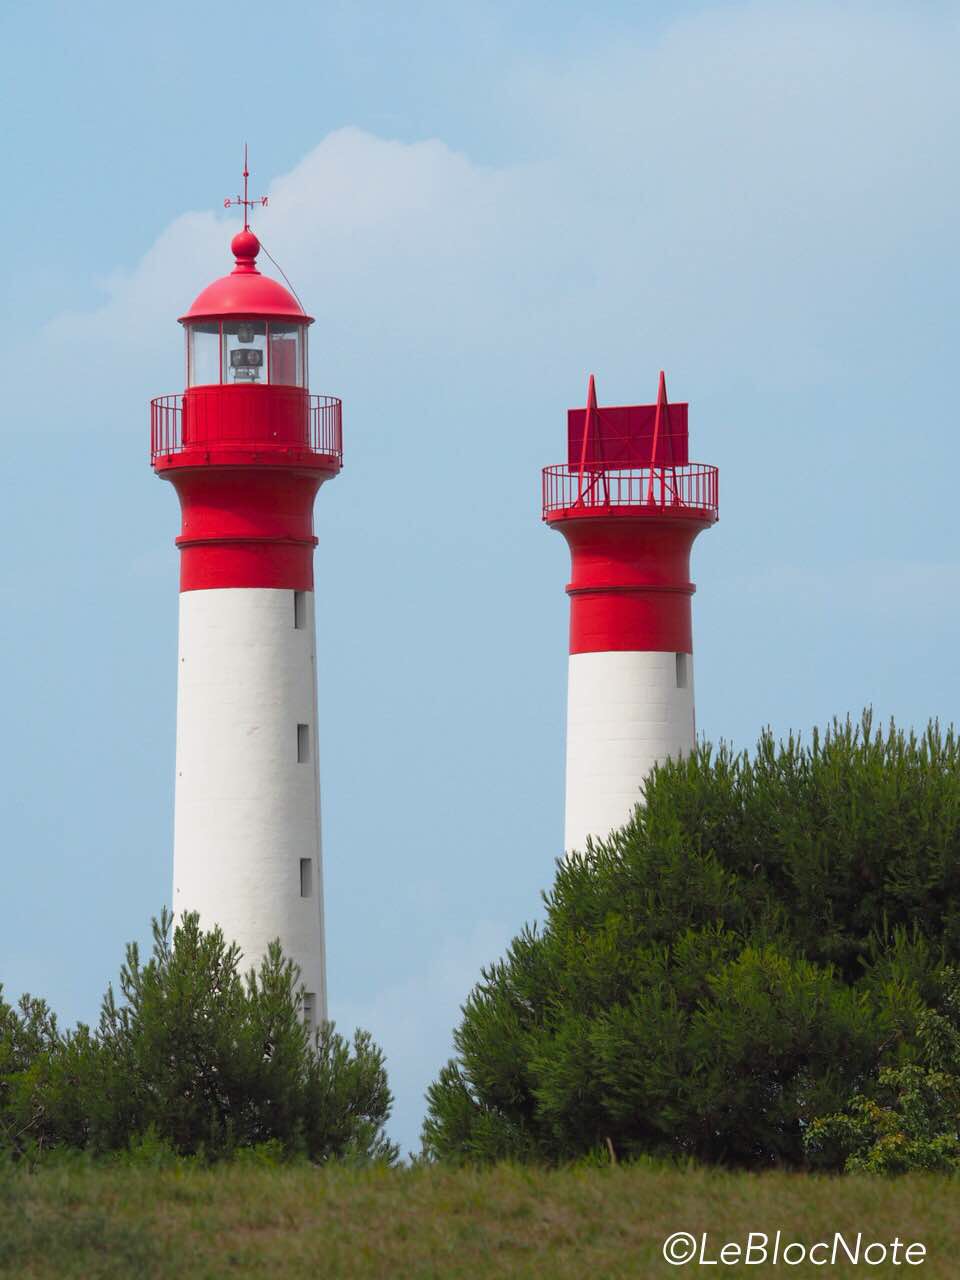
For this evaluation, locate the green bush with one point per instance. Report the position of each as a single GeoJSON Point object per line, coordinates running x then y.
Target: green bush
{"type": "Point", "coordinates": [761, 937]}
{"type": "Point", "coordinates": [909, 1117]}
{"type": "Point", "coordinates": [194, 1060]}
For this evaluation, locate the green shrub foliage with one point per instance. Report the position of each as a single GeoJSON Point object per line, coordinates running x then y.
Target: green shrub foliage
{"type": "Point", "coordinates": [909, 1118]}
{"type": "Point", "coordinates": [194, 1059]}
{"type": "Point", "coordinates": [763, 937]}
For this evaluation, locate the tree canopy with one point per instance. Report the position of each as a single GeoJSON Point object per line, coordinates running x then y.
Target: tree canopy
{"type": "Point", "coordinates": [205, 1060]}
{"type": "Point", "coordinates": [763, 937]}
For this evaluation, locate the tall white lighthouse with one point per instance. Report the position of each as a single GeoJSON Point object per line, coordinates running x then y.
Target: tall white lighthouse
{"type": "Point", "coordinates": [629, 504]}
{"type": "Point", "coordinates": [246, 447]}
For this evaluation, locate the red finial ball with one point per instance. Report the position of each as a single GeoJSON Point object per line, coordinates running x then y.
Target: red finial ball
{"type": "Point", "coordinates": [245, 247]}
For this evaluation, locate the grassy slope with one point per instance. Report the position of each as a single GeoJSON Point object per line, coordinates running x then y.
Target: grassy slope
{"type": "Point", "coordinates": [298, 1222]}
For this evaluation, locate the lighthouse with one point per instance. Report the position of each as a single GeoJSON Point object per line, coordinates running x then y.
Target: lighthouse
{"type": "Point", "coordinates": [247, 447]}
{"type": "Point", "coordinates": [629, 504]}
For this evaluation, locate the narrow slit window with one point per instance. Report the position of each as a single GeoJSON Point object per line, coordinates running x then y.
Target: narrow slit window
{"type": "Point", "coordinates": [303, 743]}
{"type": "Point", "coordinates": [306, 877]}
{"type": "Point", "coordinates": [300, 610]}
{"type": "Point", "coordinates": [681, 671]}
{"type": "Point", "coordinates": [309, 1010]}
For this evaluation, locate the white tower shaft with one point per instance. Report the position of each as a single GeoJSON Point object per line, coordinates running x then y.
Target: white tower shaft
{"type": "Point", "coordinates": [247, 850]}
{"type": "Point", "coordinates": [626, 711]}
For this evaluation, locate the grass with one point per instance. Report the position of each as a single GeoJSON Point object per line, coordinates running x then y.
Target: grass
{"type": "Point", "coordinates": [114, 1223]}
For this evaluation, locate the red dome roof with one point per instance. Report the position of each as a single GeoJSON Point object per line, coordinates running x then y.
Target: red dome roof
{"type": "Point", "coordinates": [245, 292]}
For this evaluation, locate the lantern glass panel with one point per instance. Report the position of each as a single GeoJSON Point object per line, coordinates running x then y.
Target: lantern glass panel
{"type": "Point", "coordinates": [286, 355]}
{"type": "Point", "coordinates": [203, 353]}
{"type": "Point", "coordinates": [245, 351]}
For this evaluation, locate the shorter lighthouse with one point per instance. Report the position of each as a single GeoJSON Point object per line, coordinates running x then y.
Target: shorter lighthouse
{"type": "Point", "coordinates": [630, 504]}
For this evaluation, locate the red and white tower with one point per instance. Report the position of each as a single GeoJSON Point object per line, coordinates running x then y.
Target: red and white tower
{"type": "Point", "coordinates": [629, 504]}
{"type": "Point", "coordinates": [247, 447]}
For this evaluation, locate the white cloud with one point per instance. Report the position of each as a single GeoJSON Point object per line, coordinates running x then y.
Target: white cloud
{"type": "Point", "coordinates": [747, 191]}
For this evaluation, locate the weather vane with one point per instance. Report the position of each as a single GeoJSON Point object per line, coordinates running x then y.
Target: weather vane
{"type": "Point", "coordinates": [262, 201]}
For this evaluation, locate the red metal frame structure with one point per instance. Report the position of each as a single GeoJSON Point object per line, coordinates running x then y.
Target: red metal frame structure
{"type": "Point", "coordinates": [613, 468]}
{"type": "Point", "coordinates": [630, 504]}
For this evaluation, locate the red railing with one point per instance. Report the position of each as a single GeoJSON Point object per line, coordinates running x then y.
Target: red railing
{"type": "Point", "coordinates": [680, 490]}
{"type": "Point", "coordinates": [166, 425]}
{"type": "Point", "coordinates": [324, 427]}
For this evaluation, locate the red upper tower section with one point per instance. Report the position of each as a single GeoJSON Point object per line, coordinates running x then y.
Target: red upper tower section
{"type": "Point", "coordinates": [629, 503]}
{"type": "Point", "coordinates": [246, 445]}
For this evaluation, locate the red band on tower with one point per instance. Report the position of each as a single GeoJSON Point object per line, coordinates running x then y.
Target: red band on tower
{"type": "Point", "coordinates": [246, 526]}
{"type": "Point", "coordinates": [630, 586]}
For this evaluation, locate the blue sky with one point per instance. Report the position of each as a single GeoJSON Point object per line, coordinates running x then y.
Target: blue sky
{"type": "Point", "coordinates": [480, 206]}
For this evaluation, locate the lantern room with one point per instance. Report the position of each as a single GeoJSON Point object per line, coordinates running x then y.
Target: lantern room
{"type": "Point", "coordinates": [246, 329]}
{"type": "Point", "coordinates": [255, 352]}
{"type": "Point", "coordinates": [247, 377]}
